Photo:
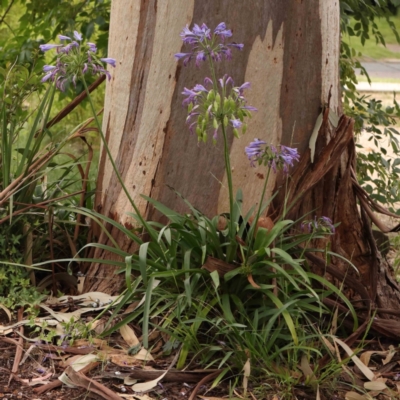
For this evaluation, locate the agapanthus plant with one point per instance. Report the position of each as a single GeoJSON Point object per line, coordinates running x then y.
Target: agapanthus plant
{"type": "Point", "coordinates": [75, 58]}
{"type": "Point", "coordinates": [218, 103]}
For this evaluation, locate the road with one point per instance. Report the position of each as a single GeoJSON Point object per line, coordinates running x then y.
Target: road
{"type": "Point", "coordinates": [382, 69]}
{"type": "Point", "coordinates": [381, 72]}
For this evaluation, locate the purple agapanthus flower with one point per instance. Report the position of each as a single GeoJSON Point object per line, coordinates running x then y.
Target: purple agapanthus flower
{"type": "Point", "coordinates": [205, 43]}
{"type": "Point", "coordinates": [241, 88]}
{"type": "Point", "coordinates": [192, 95]}
{"type": "Point", "coordinates": [328, 223]}
{"type": "Point", "coordinates": [110, 61]}
{"type": "Point", "coordinates": [276, 159]}
{"type": "Point", "coordinates": [322, 225]}
{"type": "Point", "coordinates": [49, 46]}
{"type": "Point", "coordinates": [74, 59]}
{"type": "Point", "coordinates": [222, 32]}
{"type": "Point", "coordinates": [255, 150]}
{"type": "Point", "coordinates": [77, 35]}
{"type": "Point", "coordinates": [236, 123]}
{"type": "Point", "coordinates": [92, 47]}
{"type": "Point", "coordinates": [282, 159]}
{"type": "Point", "coordinates": [48, 68]}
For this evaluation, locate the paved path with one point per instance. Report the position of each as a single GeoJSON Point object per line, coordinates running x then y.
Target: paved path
{"type": "Point", "coordinates": [381, 70]}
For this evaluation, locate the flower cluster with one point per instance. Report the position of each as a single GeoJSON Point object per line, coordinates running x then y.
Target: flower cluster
{"type": "Point", "coordinates": [322, 224]}
{"type": "Point", "coordinates": [282, 159]}
{"type": "Point", "coordinates": [210, 108]}
{"type": "Point", "coordinates": [205, 43]}
{"type": "Point", "coordinates": [74, 60]}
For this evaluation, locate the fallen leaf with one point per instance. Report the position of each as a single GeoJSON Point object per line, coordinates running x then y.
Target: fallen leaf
{"type": "Point", "coordinates": [42, 380]}
{"type": "Point", "coordinates": [7, 311]}
{"type": "Point", "coordinates": [355, 396]}
{"type": "Point", "coordinates": [143, 355]}
{"type": "Point", "coordinates": [90, 297]}
{"type": "Point", "coordinates": [80, 380]}
{"type": "Point", "coordinates": [246, 375]}
{"type": "Point", "coordinates": [146, 386]}
{"type": "Point", "coordinates": [318, 394]}
{"type": "Point", "coordinates": [375, 385]}
{"type": "Point", "coordinates": [128, 381]}
{"type": "Point", "coordinates": [391, 353]}
{"type": "Point", "coordinates": [129, 335]}
{"type": "Point", "coordinates": [306, 368]}
{"type": "Point", "coordinates": [314, 135]}
{"type": "Point", "coordinates": [366, 356]}
{"type": "Point", "coordinates": [363, 368]}
{"type": "Point", "coordinates": [77, 365]}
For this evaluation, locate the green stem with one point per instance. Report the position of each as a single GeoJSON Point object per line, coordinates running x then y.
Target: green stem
{"type": "Point", "coordinates": [232, 228]}
{"type": "Point", "coordinates": [120, 180]}
{"type": "Point", "coordinates": [251, 233]}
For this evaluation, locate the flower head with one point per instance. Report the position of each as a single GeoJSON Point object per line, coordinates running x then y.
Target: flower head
{"type": "Point", "coordinates": [276, 159]}
{"type": "Point", "coordinates": [74, 59]}
{"type": "Point", "coordinates": [255, 150]}
{"type": "Point", "coordinates": [320, 225]}
{"type": "Point", "coordinates": [206, 43]}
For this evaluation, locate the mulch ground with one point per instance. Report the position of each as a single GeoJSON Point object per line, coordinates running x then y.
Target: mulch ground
{"type": "Point", "coordinates": [117, 367]}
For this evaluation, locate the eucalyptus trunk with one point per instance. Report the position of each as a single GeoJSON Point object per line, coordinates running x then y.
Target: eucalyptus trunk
{"type": "Point", "coordinates": [291, 58]}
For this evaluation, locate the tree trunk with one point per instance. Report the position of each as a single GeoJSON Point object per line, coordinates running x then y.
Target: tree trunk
{"type": "Point", "coordinates": [291, 57]}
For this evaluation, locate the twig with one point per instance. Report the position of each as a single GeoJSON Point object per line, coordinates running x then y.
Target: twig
{"type": "Point", "coordinates": [74, 103]}
{"type": "Point", "coordinates": [57, 383]}
{"type": "Point", "coordinates": [202, 382]}
{"type": "Point", "coordinates": [6, 12]}
{"type": "Point", "coordinates": [19, 349]}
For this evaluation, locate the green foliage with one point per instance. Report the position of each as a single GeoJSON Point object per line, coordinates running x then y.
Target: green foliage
{"type": "Point", "coordinates": [31, 214]}
{"type": "Point", "coordinates": [263, 309]}
{"type": "Point", "coordinates": [26, 24]}
{"type": "Point", "coordinates": [358, 18]}
{"type": "Point", "coordinates": [377, 173]}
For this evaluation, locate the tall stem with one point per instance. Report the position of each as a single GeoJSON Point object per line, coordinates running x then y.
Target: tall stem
{"type": "Point", "coordinates": [232, 228]}
{"type": "Point", "coordinates": [251, 233]}
{"type": "Point", "coordinates": [230, 184]}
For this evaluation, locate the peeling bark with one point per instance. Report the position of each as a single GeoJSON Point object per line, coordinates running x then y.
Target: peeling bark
{"type": "Point", "coordinates": [291, 57]}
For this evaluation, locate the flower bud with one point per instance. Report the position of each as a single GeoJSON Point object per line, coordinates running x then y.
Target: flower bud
{"type": "Point", "coordinates": [235, 133]}
{"type": "Point", "coordinates": [226, 105]}
{"type": "Point", "coordinates": [215, 123]}
{"type": "Point", "coordinates": [216, 106]}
